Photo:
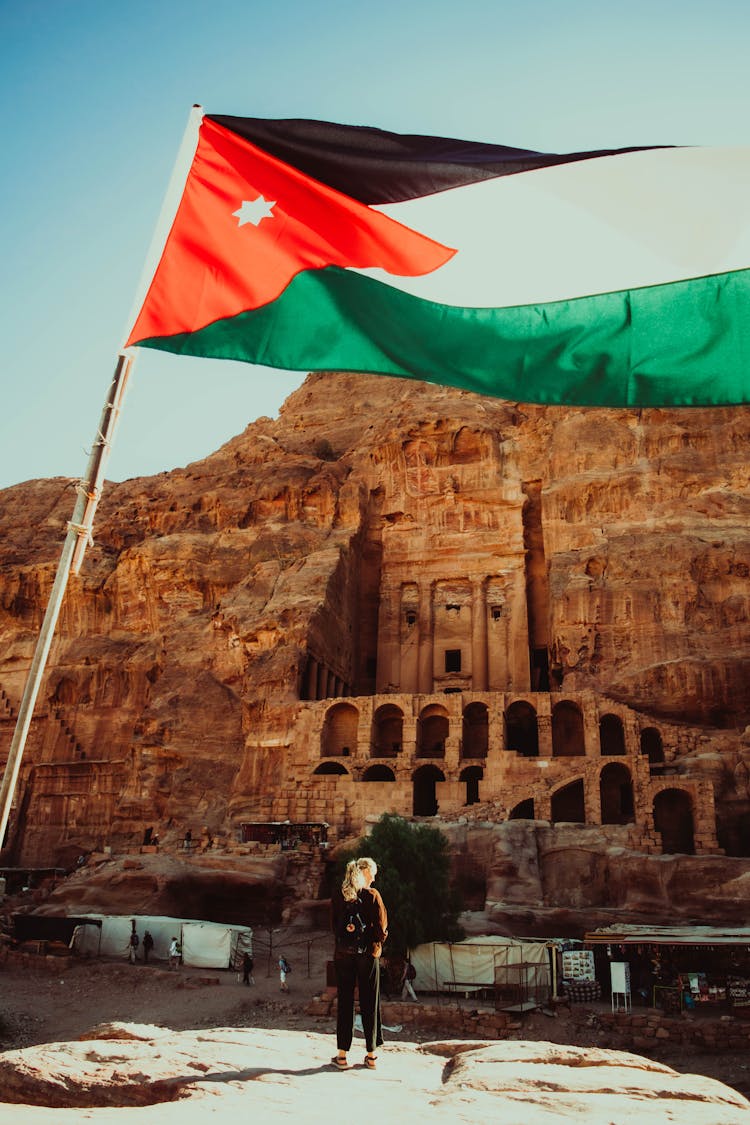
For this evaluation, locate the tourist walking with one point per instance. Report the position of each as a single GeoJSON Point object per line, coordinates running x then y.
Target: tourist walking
{"type": "Point", "coordinates": [360, 925]}
{"type": "Point", "coordinates": [148, 945]}
{"type": "Point", "coordinates": [410, 975]}
{"type": "Point", "coordinates": [284, 970]}
{"type": "Point", "coordinates": [133, 941]}
{"type": "Point", "coordinates": [247, 969]}
{"type": "Point", "coordinates": [174, 953]}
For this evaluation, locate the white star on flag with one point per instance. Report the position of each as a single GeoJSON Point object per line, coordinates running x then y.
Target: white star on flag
{"type": "Point", "coordinates": [253, 211]}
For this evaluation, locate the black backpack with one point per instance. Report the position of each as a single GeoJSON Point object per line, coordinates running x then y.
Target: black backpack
{"type": "Point", "coordinates": [353, 931]}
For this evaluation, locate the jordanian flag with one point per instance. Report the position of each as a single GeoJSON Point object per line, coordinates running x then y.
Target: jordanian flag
{"type": "Point", "coordinates": [617, 278]}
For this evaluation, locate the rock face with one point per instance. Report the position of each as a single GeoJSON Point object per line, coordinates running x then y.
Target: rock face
{"type": "Point", "coordinates": [117, 1071]}
{"type": "Point", "coordinates": [398, 597]}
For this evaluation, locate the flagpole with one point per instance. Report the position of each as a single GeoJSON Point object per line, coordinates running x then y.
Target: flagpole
{"type": "Point", "coordinates": [170, 203]}
{"type": "Point", "coordinates": [77, 539]}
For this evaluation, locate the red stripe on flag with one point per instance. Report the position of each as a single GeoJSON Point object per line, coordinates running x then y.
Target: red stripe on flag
{"type": "Point", "coordinates": [216, 264]}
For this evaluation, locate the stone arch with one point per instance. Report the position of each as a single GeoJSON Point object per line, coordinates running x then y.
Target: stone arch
{"type": "Point", "coordinates": [611, 736]}
{"type": "Point", "coordinates": [524, 810]}
{"type": "Point", "coordinates": [522, 729]}
{"type": "Point", "coordinates": [616, 793]}
{"type": "Point", "coordinates": [567, 730]}
{"type": "Point", "coordinates": [568, 803]}
{"type": "Point", "coordinates": [652, 746]}
{"type": "Point", "coordinates": [338, 737]}
{"type": "Point", "coordinates": [387, 731]}
{"type": "Point", "coordinates": [425, 780]}
{"type": "Point", "coordinates": [432, 732]}
{"type": "Point", "coordinates": [471, 776]}
{"type": "Point", "coordinates": [475, 731]}
{"type": "Point", "coordinates": [379, 772]}
{"type": "Point", "coordinates": [673, 818]}
{"type": "Point", "coordinates": [331, 769]}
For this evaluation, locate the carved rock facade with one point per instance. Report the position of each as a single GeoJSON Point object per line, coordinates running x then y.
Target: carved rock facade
{"type": "Point", "coordinates": [396, 597]}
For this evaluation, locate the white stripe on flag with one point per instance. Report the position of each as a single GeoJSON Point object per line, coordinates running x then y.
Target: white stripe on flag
{"type": "Point", "coordinates": [596, 226]}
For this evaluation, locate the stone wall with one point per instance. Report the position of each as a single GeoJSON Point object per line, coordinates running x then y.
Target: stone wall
{"type": "Point", "coordinates": [590, 766]}
{"type": "Point", "coordinates": [644, 1031]}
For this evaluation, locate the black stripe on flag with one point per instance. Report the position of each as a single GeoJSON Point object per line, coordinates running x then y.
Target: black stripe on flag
{"type": "Point", "coordinates": [375, 166]}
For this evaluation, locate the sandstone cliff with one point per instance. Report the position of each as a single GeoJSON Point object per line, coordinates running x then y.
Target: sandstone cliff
{"type": "Point", "coordinates": [534, 552]}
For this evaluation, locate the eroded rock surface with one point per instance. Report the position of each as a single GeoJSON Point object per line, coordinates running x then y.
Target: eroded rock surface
{"type": "Point", "coordinates": [154, 1074]}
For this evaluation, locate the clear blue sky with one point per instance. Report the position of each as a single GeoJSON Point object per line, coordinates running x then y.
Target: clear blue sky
{"type": "Point", "coordinates": [97, 95]}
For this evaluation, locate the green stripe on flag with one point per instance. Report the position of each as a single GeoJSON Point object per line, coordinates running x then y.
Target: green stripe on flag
{"type": "Point", "coordinates": [682, 344]}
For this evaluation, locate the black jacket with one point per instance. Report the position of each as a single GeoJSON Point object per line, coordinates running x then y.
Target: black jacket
{"type": "Point", "coordinates": [374, 912]}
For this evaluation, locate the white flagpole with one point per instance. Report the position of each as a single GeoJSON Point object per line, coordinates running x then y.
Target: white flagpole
{"type": "Point", "coordinates": [76, 540]}
{"type": "Point", "coordinates": [169, 206]}
{"type": "Point", "coordinates": [89, 489]}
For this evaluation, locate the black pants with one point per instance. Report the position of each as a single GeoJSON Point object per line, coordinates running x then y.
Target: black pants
{"type": "Point", "coordinates": [362, 970]}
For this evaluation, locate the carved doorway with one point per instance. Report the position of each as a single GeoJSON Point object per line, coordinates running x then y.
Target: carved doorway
{"type": "Point", "coordinates": [568, 804]}
{"type": "Point", "coordinates": [651, 745]}
{"type": "Point", "coordinates": [616, 792]}
{"type": "Point", "coordinates": [388, 731]}
{"type": "Point", "coordinates": [521, 729]}
{"type": "Point", "coordinates": [567, 730]}
{"type": "Point", "coordinates": [330, 769]}
{"type": "Point", "coordinates": [471, 776]}
{"type": "Point", "coordinates": [425, 793]}
{"type": "Point", "coordinates": [673, 817]}
{"type": "Point", "coordinates": [524, 810]}
{"type": "Point", "coordinates": [378, 772]}
{"type": "Point", "coordinates": [476, 731]}
{"type": "Point", "coordinates": [432, 732]}
{"type": "Point", "coordinates": [611, 736]}
{"type": "Point", "coordinates": [339, 733]}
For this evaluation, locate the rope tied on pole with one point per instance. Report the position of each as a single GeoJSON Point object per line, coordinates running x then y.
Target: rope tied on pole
{"type": "Point", "coordinates": [82, 530]}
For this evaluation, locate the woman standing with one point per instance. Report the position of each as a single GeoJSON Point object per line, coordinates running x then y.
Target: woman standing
{"type": "Point", "coordinates": [360, 924]}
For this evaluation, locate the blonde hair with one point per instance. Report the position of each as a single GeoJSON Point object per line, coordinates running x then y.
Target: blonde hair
{"type": "Point", "coordinates": [354, 878]}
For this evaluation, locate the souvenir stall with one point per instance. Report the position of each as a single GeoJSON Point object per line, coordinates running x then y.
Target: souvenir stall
{"type": "Point", "coordinates": [579, 983]}
{"type": "Point", "coordinates": [681, 968]}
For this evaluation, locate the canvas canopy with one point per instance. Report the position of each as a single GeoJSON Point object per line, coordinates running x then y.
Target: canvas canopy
{"type": "Point", "coordinates": [483, 962]}
{"type": "Point", "coordinates": [670, 935]}
{"type": "Point", "coordinates": [205, 945]}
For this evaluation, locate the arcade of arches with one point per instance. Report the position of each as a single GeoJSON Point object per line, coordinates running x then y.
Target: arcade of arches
{"type": "Point", "coordinates": [551, 757]}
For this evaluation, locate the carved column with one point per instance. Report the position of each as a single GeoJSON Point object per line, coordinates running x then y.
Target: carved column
{"type": "Point", "coordinates": [592, 796]}
{"type": "Point", "coordinates": [407, 758]}
{"type": "Point", "coordinates": [479, 635]}
{"type": "Point", "coordinates": [542, 806]}
{"type": "Point", "coordinates": [389, 670]}
{"type": "Point", "coordinates": [311, 679]}
{"type": "Point", "coordinates": [544, 728]}
{"type": "Point", "coordinates": [426, 639]}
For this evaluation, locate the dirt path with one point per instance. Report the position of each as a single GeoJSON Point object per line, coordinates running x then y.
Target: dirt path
{"type": "Point", "coordinates": [46, 1006]}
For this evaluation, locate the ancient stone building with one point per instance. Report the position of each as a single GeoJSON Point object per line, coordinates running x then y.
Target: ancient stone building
{"type": "Point", "coordinates": [397, 597]}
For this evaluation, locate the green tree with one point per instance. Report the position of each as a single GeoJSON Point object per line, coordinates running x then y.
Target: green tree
{"type": "Point", "coordinates": [414, 879]}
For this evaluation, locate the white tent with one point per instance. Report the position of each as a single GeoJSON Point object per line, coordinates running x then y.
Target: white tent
{"type": "Point", "coordinates": [205, 945]}
{"type": "Point", "coordinates": [517, 972]}
{"type": "Point", "coordinates": [208, 945]}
